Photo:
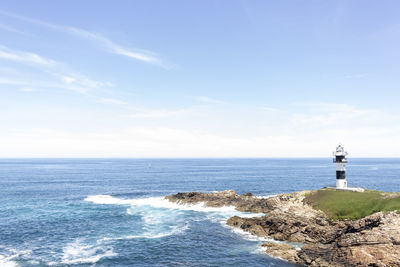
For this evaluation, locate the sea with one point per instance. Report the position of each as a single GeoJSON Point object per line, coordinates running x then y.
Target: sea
{"type": "Point", "coordinates": [111, 212]}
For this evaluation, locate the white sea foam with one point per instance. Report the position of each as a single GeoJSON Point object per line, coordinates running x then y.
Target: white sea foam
{"type": "Point", "coordinates": [106, 199]}
{"type": "Point", "coordinates": [79, 252]}
{"type": "Point", "coordinates": [260, 249]}
{"type": "Point", "coordinates": [244, 234]}
{"type": "Point", "coordinates": [163, 218]}
{"type": "Point", "coordinates": [174, 230]}
{"type": "Point", "coordinates": [160, 202]}
{"type": "Point", "coordinates": [7, 261]}
{"type": "Point", "coordinates": [9, 258]}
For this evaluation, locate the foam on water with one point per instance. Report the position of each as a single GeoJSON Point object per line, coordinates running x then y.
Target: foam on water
{"type": "Point", "coordinates": [244, 234]}
{"type": "Point", "coordinates": [45, 212]}
{"type": "Point", "coordinates": [260, 240]}
{"type": "Point", "coordinates": [77, 252]}
{"type": "Point", "coordinates": [175, 230]}
{"type": "Point", "coordinates": [161, 202]}
{"type": "Point", "coordinates": [158, 218]}
{"type": "Point", "coordinates": [106, 199]}
{"type": "Point", "coordinates": [7, 261]}
{"type": "Point", "coordinates": [11, 256]}
{"type": "Point", "coordinates": [156, 202]}
{"type": "Point", "coordinates": [162, 218]}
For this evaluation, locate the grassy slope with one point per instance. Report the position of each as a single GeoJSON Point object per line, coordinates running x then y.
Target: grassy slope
{"type": "Point", "coordinates": [339, 204]}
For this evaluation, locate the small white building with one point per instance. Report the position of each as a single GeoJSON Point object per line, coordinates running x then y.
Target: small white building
{"type": "Point", "coordinates": [340, 160]}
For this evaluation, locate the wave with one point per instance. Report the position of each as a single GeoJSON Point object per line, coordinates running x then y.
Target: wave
{"type": "Point", "coordinates": [161, 202]}
{"type": "Point", "coordinates": [260, 240]}
{"type": "Point", "coordinates": [77, 252]}
{"type": "Point", "coordinates": [176, 230]}
{"type": "Point", "coordinates": [10, 256]}
{"type": "Point", "coordinates": [244, 234]}
{"type": "Point", "coordinates": [7, 261]}
{"type": "Point", "coordinates": [106, 199]}
{"type": "Point", "coordinates": [159, 218]}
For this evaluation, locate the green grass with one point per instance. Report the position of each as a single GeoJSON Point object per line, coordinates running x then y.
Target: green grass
{"type": "Point", "coordinates": [339, 204]}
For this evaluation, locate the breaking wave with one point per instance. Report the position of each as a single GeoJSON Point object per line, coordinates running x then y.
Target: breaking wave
{"type": "Point", "coordinates": [161, 202]}
{"type": "Point", "coordinates": [7, 261]}
{"type": "Point", "coordinates": [160, 218]}
{"type": "Point", "coordinates": [78, 252]}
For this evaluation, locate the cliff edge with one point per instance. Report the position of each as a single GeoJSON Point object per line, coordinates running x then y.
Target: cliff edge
{"type": "Point", "coordinates": [373, 240]}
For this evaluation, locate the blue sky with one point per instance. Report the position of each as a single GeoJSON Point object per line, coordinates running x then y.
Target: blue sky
{"type": "Point", "coordinates": [199, 78]}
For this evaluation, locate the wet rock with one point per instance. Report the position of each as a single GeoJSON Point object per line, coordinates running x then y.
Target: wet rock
{"type": "Point", "coordinates": [283, 251]}
{"type": "Point", "coordinates": [370, 241]}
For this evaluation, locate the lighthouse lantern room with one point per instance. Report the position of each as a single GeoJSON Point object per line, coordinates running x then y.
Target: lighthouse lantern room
{"type": "Point", "coordinates": [340, 160]}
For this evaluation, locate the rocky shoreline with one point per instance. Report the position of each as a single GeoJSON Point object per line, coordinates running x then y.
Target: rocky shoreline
{"type": "Point", "coordinates": [370, 241]}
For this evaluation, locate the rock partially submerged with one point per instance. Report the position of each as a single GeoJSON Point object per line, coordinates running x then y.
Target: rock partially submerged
{"type": "Point", "coordinates": [370, 241]}
{"type": "Point", "coordinates": [246, 202]}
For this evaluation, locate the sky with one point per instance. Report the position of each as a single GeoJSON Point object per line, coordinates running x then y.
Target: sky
{"type": "Point", "coordinates": [199, 78]}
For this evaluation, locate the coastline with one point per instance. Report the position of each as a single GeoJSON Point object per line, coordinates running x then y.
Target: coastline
{"type": "Point", "coordinates": [370, 241]}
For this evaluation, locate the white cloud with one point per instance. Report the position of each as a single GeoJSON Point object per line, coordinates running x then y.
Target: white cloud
{"type": "Point", "coordinates": [67, 80]}
{"type": "Point", "coordinates": [83, 81]}
{"type": "Point", "coordinates": [155, 114]}
{"type": "Point", "coordinates": [209, 100]}
{"type": "Point", "coordinates": [113, 101]}
{"type": "Point", "coordinates": [25, 57]}
{"type": "Point", "coordinates": [131, 142]}
{"type": "Point", "coordinates": [301, 130]}
{"type": "Point", "coordinates": [355, 76]}
{"type": "Point", "coordinates": [116, 48]}
{"type": "Point", "coordinates": [8, 81]}
{"type": "Point", "coordinates": [142, 141]}
{"type": "Point", "coordinates": [27, 89]}
{"type": "Point", "coordinates": [110, 45]}
{"type": "Point", "coordinates": [13, 30]}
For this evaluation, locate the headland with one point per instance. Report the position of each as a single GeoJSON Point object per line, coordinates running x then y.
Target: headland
{"type": "Point", "coordinates": [335, 227]}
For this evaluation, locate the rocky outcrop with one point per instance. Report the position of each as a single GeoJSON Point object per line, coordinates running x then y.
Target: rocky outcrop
{"type": "Point", "coordinates": [283, 251]}
{"type": "Point", "coordinates": [246, 202]}
{"type": "Point", "coordinates": [370, 241]}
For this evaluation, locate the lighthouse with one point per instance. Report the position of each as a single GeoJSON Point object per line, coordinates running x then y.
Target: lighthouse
{"type": "Point", "coordinates": [340, 161]}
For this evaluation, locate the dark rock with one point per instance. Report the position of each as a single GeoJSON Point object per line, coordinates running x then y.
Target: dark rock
{"type": "Point", "coordinates": [370, 241]}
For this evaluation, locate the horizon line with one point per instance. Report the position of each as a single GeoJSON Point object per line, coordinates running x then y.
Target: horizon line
{"type": "Point", "coordinates": [2, 158]}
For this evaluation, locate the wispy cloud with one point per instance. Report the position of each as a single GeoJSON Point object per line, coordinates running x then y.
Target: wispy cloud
{"type": "Point", "coordinates": [153, 114]}
{"type": "Point", "coordinates": [25, 57]}
{"type": "Point", "coordinates": [80, 80]}
{"type": "Point", "coordinates": [108, 44]}
{"type": "Point", "coordinates": [209, 100]}
{"type": "Point", "coordinates": [8, 81]}
{"type": "Point", "coordinates": [113, 101]}
{"type": "Point", "coordinates": [13, 30]}
{"type": "Point", "coordinates": [22, 82]}
{"type": "Point", "coordinates": [354, 76]}
{"type": "Point", "coordinates": [27, 89]}
{"type": "Point", "coordinates": [64, 79]}
{"type": "Point", "coordinates": [115, 48]}
{"type": "Point", "coordinates": [294, 133]}
{"type": "Point", "coordinates": [61, 80]}
{"type": "Point", "coordinates": [333, 108]}
{"type": "Point", "coordinates": [157, 113]}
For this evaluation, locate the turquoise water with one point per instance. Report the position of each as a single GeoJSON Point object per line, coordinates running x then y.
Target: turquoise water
{"type": "Point", "coordinates": [110, 212]}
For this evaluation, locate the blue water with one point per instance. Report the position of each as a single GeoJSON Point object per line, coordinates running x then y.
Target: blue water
{"type": "Point", "coordinates": [110, 212]}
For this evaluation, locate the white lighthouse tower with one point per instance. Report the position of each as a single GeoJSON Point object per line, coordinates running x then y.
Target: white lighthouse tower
{"type": "Point", "coordinates": [340, 160]}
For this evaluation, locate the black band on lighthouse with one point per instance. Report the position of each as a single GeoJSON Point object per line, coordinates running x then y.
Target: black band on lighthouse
{"type": "Point", "coordinates": [340, 175]}
{"type": "Point", "coordinates": [340, 158]}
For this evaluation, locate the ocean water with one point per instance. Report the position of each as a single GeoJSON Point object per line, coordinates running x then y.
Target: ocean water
{"type": "Point", "coordinates": [111, 212]}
